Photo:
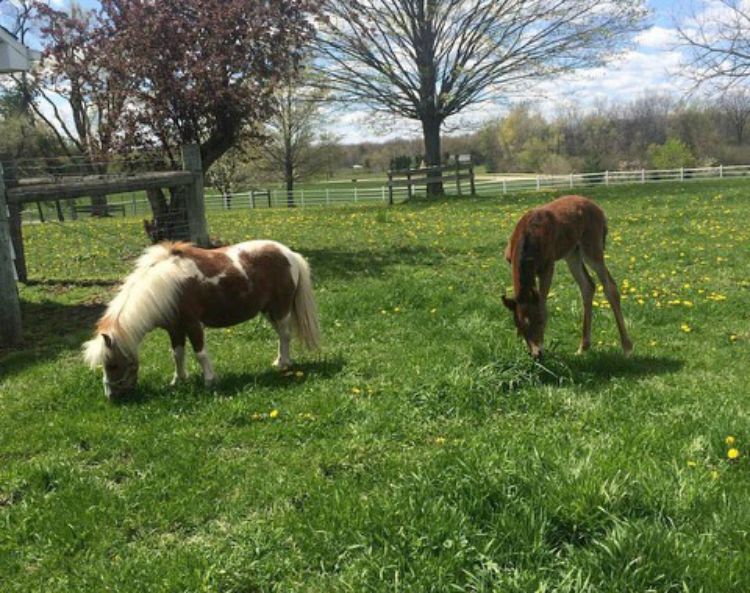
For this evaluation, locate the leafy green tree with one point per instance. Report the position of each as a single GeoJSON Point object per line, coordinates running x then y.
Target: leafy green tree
{"type": "Point", "coordinates": [671, 155]}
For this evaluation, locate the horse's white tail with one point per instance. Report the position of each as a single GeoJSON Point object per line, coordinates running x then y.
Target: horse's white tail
{"type": "Point", "coordinates": [304, 310]}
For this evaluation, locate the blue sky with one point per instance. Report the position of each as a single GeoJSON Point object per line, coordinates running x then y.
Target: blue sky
{"type": "Point", "coordinates": [648, 67]}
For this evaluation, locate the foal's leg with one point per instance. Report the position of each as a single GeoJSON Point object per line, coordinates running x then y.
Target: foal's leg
{"type": "Point", "coordinates": [613, 296]}
{"type": "Point", "coordinates": [284, 329]}
{"type": "Point", "coordinates": [545, 282]}
{"type": "Point", "coordinates": [194, 331]}
{"type": "Point", "coordinates": [177, 337]}
{"type": "Point", "coordinates": [586, 284]}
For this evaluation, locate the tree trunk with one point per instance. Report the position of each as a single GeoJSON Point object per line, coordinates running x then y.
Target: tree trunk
{"type": "Point", "coordinates": [99, 205]}
{"type": "Point", "coordinates": [289, 178]}
{"type": "Point", "coordinates": [170, 218]}
{"type": "Point", "coordinates": [431, 133]}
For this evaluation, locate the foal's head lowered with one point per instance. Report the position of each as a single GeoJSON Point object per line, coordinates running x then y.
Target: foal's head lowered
{"type": "Point", "coordinates": [529, 317]}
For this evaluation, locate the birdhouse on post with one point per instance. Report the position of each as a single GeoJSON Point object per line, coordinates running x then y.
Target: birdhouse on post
{"type": "Point", "coordinates": [14, 55]}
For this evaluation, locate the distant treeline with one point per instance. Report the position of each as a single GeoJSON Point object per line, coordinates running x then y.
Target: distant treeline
{"type": "Point", "coordinates": [651, 132]}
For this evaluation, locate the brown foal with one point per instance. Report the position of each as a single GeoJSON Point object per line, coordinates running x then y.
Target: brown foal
{"type": "Point", "coordinates": [572, 228]}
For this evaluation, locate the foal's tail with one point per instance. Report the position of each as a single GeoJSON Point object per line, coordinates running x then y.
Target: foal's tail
{"type": "Point", "coordinates": [304, 311]}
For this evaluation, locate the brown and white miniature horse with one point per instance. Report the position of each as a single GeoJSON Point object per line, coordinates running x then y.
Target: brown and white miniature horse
{"type": "Point", "coordinates": [572, 228]}
{"type": "Point", "coordinates": [181, 288]}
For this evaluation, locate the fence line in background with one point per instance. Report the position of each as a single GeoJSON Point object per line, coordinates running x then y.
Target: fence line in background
{"type": "Point", "coordinates": [502, 185]}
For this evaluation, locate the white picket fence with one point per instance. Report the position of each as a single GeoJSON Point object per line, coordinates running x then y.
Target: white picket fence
{"type": "Point", "coordinates": [136, 205]}
{"type": "Point", "coordinates": [328, 197]}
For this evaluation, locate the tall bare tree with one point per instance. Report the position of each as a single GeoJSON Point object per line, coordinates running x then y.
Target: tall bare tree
{"type": "Point", "coordinates": [735, 105]}
{"type": "Point", "coordinates": [717, 39]}
{"type": "Point", "coordinates": [291, 131]}
{"type": "Point", "coordinates": [430, 59]}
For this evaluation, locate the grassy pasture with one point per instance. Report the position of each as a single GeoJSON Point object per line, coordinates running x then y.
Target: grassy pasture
{"type": "Point", "coordinates": [423, 451]}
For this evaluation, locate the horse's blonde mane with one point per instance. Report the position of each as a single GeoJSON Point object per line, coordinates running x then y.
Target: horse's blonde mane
{"type": "Point", "coordinates": [147, 297]}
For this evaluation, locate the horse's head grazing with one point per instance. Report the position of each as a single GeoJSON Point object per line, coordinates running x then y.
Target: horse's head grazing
{"type": "Point", "coordinates": [120, 367]}
{"type": "Point", "coordinates": [530, 319]}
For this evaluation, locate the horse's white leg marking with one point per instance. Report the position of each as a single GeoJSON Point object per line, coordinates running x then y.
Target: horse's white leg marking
{"type": "Point", "coordinates": [180, 373]}
{"type": "Point", "coordinates": [208, 370]}
{"type": "Point", "coordinates": [284, 329]}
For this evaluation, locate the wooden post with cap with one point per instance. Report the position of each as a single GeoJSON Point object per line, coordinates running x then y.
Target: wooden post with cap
{"type": "Point", "coordinates": [194, 199]}
{"type": "Point", "coordinates": [10, 306]}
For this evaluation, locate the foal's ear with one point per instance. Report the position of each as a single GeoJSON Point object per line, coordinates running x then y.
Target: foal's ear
{"type": "Point", "coordinates": [510, 303]}
{"type": "Point", "coordinates": [107, 340]}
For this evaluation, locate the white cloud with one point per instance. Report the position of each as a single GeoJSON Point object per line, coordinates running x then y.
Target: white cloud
{"type": "Point", "coordinates": [657, 37]}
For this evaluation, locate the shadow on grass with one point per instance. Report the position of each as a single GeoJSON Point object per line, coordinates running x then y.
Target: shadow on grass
{"type": "Point", "coordinates": [334, 263]}
{"type": "Point", "coordinates": [600, 367]}
{"type": "Point", "coordinates": [232, 384]}
{"type": "Point", "coordinates": [49, 328]}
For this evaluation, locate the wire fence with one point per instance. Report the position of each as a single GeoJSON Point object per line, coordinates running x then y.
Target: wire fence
{"type": "Point", "coordinates": [136, 204]}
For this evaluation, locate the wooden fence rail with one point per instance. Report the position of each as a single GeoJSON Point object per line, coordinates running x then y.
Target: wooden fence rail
{"type": "Point", "coordinates": [190, 180]}
{"type": "Point", "coordinates": [457, 172]}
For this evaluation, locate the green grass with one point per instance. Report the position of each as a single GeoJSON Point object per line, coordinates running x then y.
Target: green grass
{"type": "Point", "coordinates": [423, 451]}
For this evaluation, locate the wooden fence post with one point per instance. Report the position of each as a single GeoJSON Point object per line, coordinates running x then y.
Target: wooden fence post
{"type": "Point", "coordinates": [408, 184]}
{"type": "Point", "coordinates": [390, 188]}
{"type": "Point", "coordinates": [471, 179]}
{"type": "Point", "coordinates": [15, 224]}
{"type": "Point", "coordinates": [194, 199]}
{"type": "Point", "coordinates": [10, 307]}
{"type": "Point", "coordinates": [458, 176]}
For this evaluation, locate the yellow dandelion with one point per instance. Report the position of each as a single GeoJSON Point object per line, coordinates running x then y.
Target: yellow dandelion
{"type": "Point", "coordinates": [440, 440]}
{"type": "Point", "coordinates": [433, 311]}
{"type": "Point", "coordinates": [733, 453]}
{"type": "Point", "coordinates": [730, 441]}
{"type": "Point", "coordinates": [273, 414]}
{"type": "Point", "coordinates": [356, 390]}
{"type": "Point", "coordinates": [686, 328]}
